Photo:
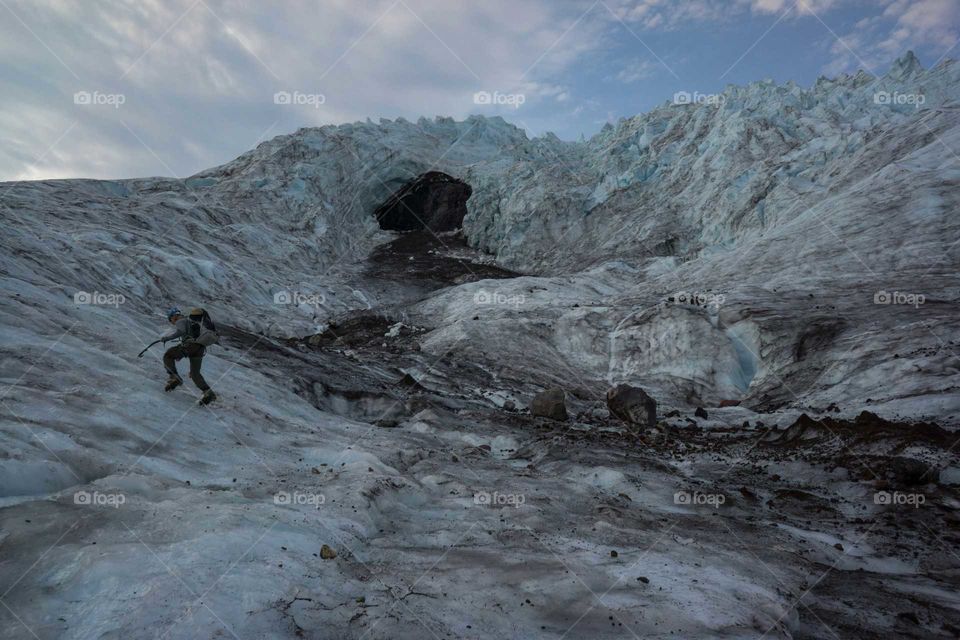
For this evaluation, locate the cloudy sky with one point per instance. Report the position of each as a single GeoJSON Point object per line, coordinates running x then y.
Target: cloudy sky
{"type": "Point", "coordinates": [108, 89]}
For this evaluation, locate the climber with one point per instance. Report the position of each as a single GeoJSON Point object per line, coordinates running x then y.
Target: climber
{"type": "Point", "coordinates": [196, 332]}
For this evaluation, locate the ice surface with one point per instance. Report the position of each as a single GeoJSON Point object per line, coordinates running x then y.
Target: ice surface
{"type": "Point", "coordinates": [705, 253]}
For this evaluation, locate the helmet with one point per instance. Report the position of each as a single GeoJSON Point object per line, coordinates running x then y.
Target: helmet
{"type": "Point", "coordinates": [173, 311]}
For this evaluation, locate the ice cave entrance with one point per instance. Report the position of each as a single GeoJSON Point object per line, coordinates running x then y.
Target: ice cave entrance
{"type": "Point", "coordinates": [432, 201]}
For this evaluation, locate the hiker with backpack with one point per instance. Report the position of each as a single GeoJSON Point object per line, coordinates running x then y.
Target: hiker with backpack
{"type": "Point", "coordinates": [196, 332]}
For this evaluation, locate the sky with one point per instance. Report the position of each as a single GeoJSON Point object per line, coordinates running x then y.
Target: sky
{"type": "Point", "coordinates": [117, 89]}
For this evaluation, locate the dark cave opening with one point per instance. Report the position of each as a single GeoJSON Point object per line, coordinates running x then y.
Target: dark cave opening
{"type": "Point", "coordinates": [433, 200]}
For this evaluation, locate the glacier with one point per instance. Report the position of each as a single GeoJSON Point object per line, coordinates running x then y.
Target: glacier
{"type": "Point", "coordinates": [782, 258]}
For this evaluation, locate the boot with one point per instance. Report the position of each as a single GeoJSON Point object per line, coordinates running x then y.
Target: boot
{"type": "Point", "coordinates": [208, 397]}
{"type": "Point", "coordinates": [173, 382]}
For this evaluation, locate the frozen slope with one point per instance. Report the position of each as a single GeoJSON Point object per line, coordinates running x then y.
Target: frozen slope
{"type": "Point", "coordinates": [209, 522]}
{"type": "Point", "coordinates": [788, 206]}
{"type": "Point", "coordinates": [781, 214]}
{"type": "Point", "coordinates": [690, 179]}
{"type": "Point", "coordinates": [805, 297]}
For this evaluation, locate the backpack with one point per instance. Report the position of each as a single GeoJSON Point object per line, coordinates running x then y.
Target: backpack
{"type": "Point", "coordinates": [202, 330]}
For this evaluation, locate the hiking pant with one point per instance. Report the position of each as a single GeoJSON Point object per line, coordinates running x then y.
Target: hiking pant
{"type": "Point", "coordinates": [190, 350]}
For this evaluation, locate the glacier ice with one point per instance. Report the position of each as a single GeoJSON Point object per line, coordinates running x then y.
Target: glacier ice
{"type": "Point", "coordinates": [793, 249]}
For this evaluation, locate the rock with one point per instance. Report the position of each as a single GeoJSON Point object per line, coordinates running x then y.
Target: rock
{"type": "Point", "coordinates": [549, 404]}
{"type": "Point", "coordinates": [632, 405]}
{"type": "Point", "coordinates": [701, 413]}
{"type": "Point", "coordinates": [948, 477]}
{"type": "Point", "coordinates": [509, 405]}
{"type": "Point", "coordinates": [899, 471]}
{"type": "Point", "coordinates": [613, 553]}
{"type": "Point", "coordinates": [599, 413]}
{"type": "Point", "coordinates": [909, 616]}
{"type": "Point", "coordinates": [644, 579]}
{"type": "Point", "coordinates": [729, 403]}
{"type": "Point", "coordinates": [327, 553]}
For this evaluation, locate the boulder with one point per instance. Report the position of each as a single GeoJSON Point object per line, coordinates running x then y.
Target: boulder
{"type": "Point", "coordinates": [632, 405]}
{"type": "Point", "coordinates": [549, 404]}
{"type": "Point", "coordinates": [900, 471]}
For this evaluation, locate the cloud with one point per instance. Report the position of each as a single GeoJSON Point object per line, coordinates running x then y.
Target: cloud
{"type": "Point", "coordinates": [637, 70]}
{"type": "Point", "coordinates": [873, 42]}
{"type": "Point", "coordinates": [796, 8]}
{"type": "Point", "coordinates": [198, 78]}
{"type": "Point", "coordinates": [672, 15]}
{"type": "Point", "coordinates": [669, 14]}
{"type": "Point", "coordinates": [922, 22]}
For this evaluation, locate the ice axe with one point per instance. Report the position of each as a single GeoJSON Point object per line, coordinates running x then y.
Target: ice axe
{"type": "Point", "coordinates": [140, 355]}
